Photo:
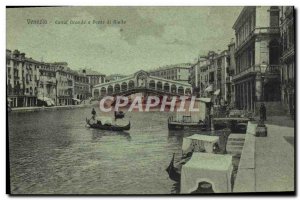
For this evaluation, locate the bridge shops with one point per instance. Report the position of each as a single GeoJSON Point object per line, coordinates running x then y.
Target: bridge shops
{"type": "Point", "coordinates": [141, 82]}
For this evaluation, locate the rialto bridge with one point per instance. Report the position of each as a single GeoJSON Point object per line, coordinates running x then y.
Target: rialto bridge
{"type": "Point", "coordinates": [141, 81]}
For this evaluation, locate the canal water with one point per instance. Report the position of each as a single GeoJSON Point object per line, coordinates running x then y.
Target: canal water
{"type": "Point", "coordinates": [53, 152]}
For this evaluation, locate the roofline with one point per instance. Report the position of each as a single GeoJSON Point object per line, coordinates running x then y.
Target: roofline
{"type": "Point", "coordinates": [240, 16]}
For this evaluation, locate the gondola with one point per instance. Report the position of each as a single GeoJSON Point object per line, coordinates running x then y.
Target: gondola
{"type": "Point", "coordinates": [173, 174]}
{"type": "Point", "coordinates": [108, 127]}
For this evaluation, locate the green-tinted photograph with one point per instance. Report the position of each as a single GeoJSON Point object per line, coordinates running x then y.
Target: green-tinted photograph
{"type": "Point", "coordinates": [150, 100]}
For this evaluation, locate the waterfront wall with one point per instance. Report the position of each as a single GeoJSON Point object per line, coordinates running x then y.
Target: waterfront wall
{"type": "Point", "coordinates": [245, 179]}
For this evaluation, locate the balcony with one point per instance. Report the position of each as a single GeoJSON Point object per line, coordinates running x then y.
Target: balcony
{"type": "Point", "coordinates": [252, 69]}
{"type": "Point", "coordinates": [267, 69]}
{"type": "Point", "coordinates": [273, 69]}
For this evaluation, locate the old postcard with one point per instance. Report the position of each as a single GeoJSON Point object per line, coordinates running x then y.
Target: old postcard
{"type": "Point", "coordinates": [150, 100]}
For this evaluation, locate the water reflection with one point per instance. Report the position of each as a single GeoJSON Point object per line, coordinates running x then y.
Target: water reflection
{"type": "Point", "coordinates": [98, 134]}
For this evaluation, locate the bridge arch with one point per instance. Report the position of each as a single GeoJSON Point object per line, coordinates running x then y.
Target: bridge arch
{"type": "Point", "coordinates": [131, 84]}
{"type": "Point", "coordinates": [117, 88]}
{"type": "Point", "coordinates": [159, 85]}
{"type": "Point", "coordinates": [173, 88]}
{"type": "Point", "coordinates": [96, 93]}
{"type": "Point", "coordinates": [103, 91]}
{"type": "Point", "coordinates": [188, 91]}
{"type": "Point", "coordinates": [152, 84]}
{"type": "Point", "coordinates": [110, 89]}
{"type": "Point", "coordinates": [180, 90]}
{"type": "Point", "coordinates": [124, 86]}
{"type": "Point", "coordinates": [166, 87]}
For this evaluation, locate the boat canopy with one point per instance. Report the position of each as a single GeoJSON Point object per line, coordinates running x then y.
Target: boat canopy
{"type": "Point", "coordinates": [105, 120]}
{"type": "Point", "coordinates": [199, 143]}
{"type": "Point", "coordinates": [206, 167]}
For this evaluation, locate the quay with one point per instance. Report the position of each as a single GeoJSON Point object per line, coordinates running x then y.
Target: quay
{"type": "Point", "coordinates": [37, 109]}
{"type": "Point", "coordinates": [267, 163]}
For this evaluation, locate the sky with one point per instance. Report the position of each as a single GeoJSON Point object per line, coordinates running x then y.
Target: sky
{"type": "Point", "coordinates": [145, 38]}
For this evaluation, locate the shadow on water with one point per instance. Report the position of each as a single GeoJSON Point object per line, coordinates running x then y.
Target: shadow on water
{"type": "Point", "coordinates": [98, 134]}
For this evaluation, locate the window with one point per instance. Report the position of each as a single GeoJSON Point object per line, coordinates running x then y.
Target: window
{"type": "Point", "coordinates": [274, 16]}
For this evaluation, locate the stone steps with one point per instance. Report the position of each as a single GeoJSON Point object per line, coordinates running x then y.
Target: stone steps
{"type": "Point", "coordinates": [235, 144]}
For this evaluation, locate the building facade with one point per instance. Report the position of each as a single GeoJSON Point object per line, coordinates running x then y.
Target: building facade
{"type": "Point", "coordinates": [22, 79]}
{"type": "Point", "coordinates": [257, 49]}
{"type": "Point", "coordinates": [208, 76]}
{"type": "Point", "coordinates": [230, 72]}
{"type": "Point", "coordinates": [64, 83]}
{"type": "Point", "coordinates": [94, 78]}
{"type": "Point", "coordinates": [81, 85]}
{"type": "Point", "coordinates": [47, 91]}
{"type": "Point", "coordinates": [177, 72]}
{"type": "Point", "coordinates": [36, 83]}
{"type": "Point", "coordinates": [287, 59]}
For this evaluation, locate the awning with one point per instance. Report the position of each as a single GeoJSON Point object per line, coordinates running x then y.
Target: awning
{"type": "Point", "coordinates": [9, 99]}
{"type": "Point", "coordinates": [206, 167]}
{"type": "Point", "coordinates": [217, 92]}
{"type": "Point", "coordinates": [206, 100]}
{"type": "Point", "coordinates": [209, 89]}
{"type": "Point", "coordinates": [76, 99]}
{"type": "Point", "coordinates": [199, 143]}
{"type": "Point", "coordinates": [49, 101]}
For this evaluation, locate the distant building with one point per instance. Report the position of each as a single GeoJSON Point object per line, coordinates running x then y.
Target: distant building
{"type": "Point", "coordinates": [176, 72]}
{"type": "Point", "coordinates": [36, 83]}
{"type": "Point", "coordinates": [94, 77]}
{"type": "Point", "coordinates": [257, 50]}
{"type": "Point", "coordinates": [47, 93]}
{"type": "Point", "coordinates": [287, 58]}
{"type": "Point", "coordinates": [81, 85]}
{"type": "Point", "coordinates": [230, 72]}
{"type": "Point", "coordinates": [64, 83]}
{"type": "Point", "coordinates": [209, 74]}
